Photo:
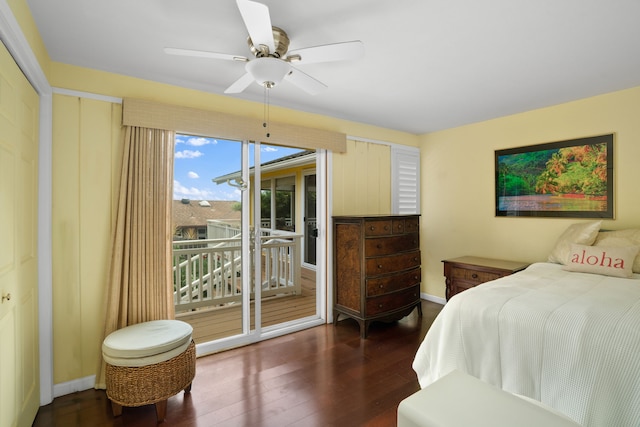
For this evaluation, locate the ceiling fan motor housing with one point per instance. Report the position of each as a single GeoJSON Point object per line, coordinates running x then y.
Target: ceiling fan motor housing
{"type": "Point", "coordinates": [280, 40]}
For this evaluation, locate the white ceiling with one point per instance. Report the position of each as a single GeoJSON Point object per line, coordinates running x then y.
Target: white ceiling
{"type": "Point", "coordinates": [428, 64]}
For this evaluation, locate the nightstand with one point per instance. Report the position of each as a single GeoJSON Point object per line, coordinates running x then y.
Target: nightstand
{"type": "Point", "coordinates": [468, 271]}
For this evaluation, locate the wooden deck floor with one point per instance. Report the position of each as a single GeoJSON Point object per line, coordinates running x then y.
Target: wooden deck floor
{"type": "Point", "coordinates": [216, 323]}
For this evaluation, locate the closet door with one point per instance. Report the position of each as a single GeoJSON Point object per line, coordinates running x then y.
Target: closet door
{"type": "Point", "coordinates": [19, 363]}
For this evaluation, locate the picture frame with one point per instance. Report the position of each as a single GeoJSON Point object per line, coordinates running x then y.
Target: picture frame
{"type": "Point", "coordinates": [571, 179]}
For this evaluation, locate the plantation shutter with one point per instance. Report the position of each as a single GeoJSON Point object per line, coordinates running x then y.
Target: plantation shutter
{"type": "Point", "coordinates": [405, 180]}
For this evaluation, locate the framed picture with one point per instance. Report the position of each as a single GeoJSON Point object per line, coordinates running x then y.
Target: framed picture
{"type": "Point", "coordinates": [572, 178]}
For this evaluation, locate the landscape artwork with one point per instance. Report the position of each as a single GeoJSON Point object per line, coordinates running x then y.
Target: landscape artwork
{"type": "Point", "coordinates": [572, 178]}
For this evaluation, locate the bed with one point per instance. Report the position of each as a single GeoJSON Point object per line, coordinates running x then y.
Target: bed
{"type": "Point", "coordinates": [568, 339]}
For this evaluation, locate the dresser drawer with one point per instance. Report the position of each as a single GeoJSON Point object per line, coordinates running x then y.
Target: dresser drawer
{"type": "Point", "coordinates": [384, 285]}
{"type": "Point", "coordinates": [412, 225]}
{"type": "Point", "coordinates": [392, 263]}
{"type": "Point", "coordinates": [396, 300]}
{"type": "Point", "coordinates": [378, 227]}
{"type": "Point", "coordinates": [474, 277]}
{"type": "Point", "coordinates": [390, 245]}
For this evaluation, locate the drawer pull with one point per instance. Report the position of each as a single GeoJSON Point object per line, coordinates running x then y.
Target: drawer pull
{"type": "Point", "coordinates": [372, 228]}
{"type": "Point", "coordinates": [474, 275]}
{"type": "Point", "coordinates": [381, 286]}
{"type": "Point", "coordinates": [415, 277]}
{"type": "Point", "coordinates": [379, 246]}
{"type": "Point", "coordinates": [379, 305]}
{"type": "Point", "coordinates": [415, 258]}
{"type": "Point", "coordinates": [386, 227]}
{"type": "Point", "coordinates": [379, 265]}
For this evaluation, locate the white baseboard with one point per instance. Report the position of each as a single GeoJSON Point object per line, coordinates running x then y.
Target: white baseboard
{"type": "Point", "coordinates": [69, 387]}
{"type": "Point", "coordinates": [433, 298]}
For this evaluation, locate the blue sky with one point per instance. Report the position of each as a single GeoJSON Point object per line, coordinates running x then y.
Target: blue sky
{"type": "Point", "coordinates": [198, 160]}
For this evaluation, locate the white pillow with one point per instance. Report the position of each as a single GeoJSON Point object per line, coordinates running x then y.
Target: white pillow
{"type": "Point", "coordinates": [583, 233]}
{"type": "Point", "coordinates": [618, 238]}
{"type": "Point", "coordinates": [603, 260]}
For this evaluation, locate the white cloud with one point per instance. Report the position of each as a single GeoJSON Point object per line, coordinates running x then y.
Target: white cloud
{"type": "Point", "coordinates": [193, 175]}
{"type": "Point", "coordinates": [193, 193]}
{"type": "Point", "coordinates": [269, 148]}
{"type": "Point", "coordinates": [222, 192]}
{"type": "Point", "coordinates": [188, 154]}
{"type": "Point", "coordinates": [199, 142]}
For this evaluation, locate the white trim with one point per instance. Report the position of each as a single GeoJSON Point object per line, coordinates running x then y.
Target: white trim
{"type": "Point", "coordinates": [17, 44]}
{"type": "Point", "coordinates": [433, 298]}
{"type": "Point", "coordinates": [328, 232]}
{"type": "Point", "coordinates": [257, 240]}
{"type": "Point", "coordinates": [79, 384]}
{"type": "Point", "coordinates": [88, 95]}
{"type": "Point", "coordinates": [245, 238]}
{"type": "Point", "coordinates": [322, 223]}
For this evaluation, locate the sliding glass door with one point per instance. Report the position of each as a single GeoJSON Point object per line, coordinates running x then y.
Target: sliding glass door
{"type": "Point", "coordinates": [238, 253]}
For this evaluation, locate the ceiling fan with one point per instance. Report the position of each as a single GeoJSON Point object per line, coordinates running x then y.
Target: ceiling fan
{"type": "Point", "coordinates": [273, 61]}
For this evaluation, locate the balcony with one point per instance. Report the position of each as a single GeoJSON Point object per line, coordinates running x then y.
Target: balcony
{"type": "Point", "coordinates": [207, 282]}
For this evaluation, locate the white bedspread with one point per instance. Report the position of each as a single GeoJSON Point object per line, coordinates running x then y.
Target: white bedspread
{"type": "Point", "coordinates": [569, 340]}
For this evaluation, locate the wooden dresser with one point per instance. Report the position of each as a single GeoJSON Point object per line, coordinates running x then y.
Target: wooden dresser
{"type": "Point", "coordinates": [469, 271]}
{"type": "Point", "coordinates": [377, 272]}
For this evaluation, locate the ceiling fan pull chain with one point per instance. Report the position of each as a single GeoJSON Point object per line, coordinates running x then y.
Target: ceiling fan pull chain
{"type": "Point", "coordinates": [265, 113]}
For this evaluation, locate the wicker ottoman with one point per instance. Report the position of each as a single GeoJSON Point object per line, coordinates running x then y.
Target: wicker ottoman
{"type": "Point", "coordinates": [147, 363]}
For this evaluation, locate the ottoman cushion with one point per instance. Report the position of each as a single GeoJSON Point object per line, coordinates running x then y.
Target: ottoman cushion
{"type": "Point", "coordinates": [458, 399]}
{"type": "Point", "coordinates": [146, 343]}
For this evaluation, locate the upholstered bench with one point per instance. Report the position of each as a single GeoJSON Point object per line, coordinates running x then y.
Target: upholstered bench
{"type": "Point", "coordinates": [147, 363]}
{"type": "Point", "coordinates": [458, 399]}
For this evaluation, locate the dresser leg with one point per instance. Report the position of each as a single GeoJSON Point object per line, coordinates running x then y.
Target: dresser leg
{"type": "Point", "coordinates": [336, 314]}
{"type": "Point", "coordinates": [364, 328]}
{"type": "Point", "coordinates": [419, 308]}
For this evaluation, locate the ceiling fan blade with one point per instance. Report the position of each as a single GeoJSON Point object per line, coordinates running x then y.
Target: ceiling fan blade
{"type": "Point", "coordinates": [258, 22]}
{"type": "Point", "coordinates": [328, 52]}
{"type": "Point", "coordinates": [241, 84]}
{"type": "Point", "coordinates": [204, 54]}
{"type": "Point", "coordinates": [305, 82]}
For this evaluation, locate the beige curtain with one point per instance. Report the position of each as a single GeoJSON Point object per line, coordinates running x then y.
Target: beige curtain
{"type": "Point", "coordinates": [140, 285]}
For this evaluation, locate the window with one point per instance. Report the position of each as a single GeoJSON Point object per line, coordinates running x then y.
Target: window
{"type": "Point", "coordinates": [405, 180]}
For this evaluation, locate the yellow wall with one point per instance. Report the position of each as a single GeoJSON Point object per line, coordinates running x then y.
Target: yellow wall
{"type": "Point", "coordinates": [362, 179]}
{"type": "Point", "coordinates": [86, 170]}
{"type": "Point", "coordinates": [22, 13]}
{"type": "Point", "coordinates": [457, 182]}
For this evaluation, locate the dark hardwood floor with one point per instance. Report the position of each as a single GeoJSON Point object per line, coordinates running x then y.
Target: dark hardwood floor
{"type": "Point", "coordinates": [324, 376]}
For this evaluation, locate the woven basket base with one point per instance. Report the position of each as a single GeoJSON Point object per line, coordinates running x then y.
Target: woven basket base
{"type": "Point", "coordinates": [145, 385]}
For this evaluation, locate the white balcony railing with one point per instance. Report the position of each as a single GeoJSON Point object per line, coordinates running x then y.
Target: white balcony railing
{"type": "Point", "coordinates": [208, 273]}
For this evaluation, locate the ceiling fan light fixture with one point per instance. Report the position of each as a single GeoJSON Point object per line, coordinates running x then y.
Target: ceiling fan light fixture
{"type": "Point", "coordinates": [268, 71]}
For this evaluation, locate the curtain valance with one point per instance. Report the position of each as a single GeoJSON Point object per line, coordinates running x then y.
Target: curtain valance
{"type": "Point", "coordinates": [193, 121]}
